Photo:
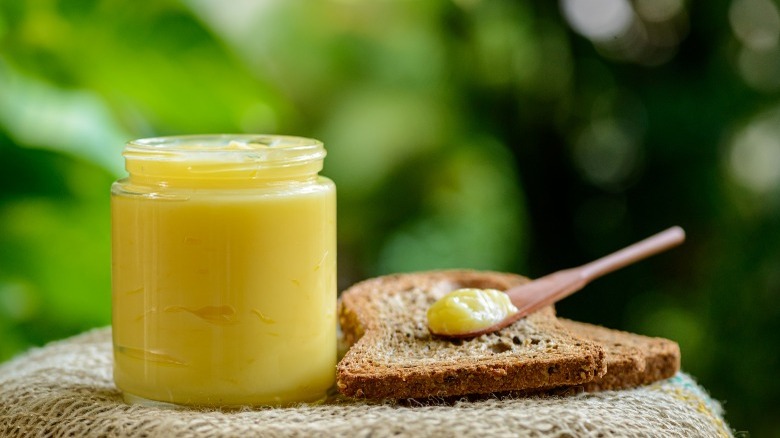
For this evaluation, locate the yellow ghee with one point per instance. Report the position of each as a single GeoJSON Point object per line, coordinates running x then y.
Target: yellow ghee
{"type": "Point", "coordinates": [469, 310]}
{"type": "Point", "coordinates": [224, 272]}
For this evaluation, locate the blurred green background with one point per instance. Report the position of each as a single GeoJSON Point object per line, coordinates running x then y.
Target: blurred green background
{"type": "Point", "coordinates": [490, 134]}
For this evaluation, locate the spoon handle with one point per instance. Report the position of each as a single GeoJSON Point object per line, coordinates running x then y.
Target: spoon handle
{"type": "Point", "coordinates": [633, 253]}
{"type": "Point", "coordinates": [530, 297]}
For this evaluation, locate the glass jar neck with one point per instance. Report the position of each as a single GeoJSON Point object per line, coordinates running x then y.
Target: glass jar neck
{"type": "Point", "coordinates": [222, 161]}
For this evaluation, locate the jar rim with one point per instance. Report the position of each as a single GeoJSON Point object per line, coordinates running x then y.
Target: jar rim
{"type": "Point", "coordinates": [259, 148]}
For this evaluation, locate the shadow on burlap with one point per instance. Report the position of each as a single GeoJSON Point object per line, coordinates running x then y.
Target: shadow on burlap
{"type": "Point", "coordinates": [66, 389]}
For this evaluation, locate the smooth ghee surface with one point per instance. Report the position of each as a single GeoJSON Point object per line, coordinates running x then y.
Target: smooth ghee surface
{"type": "Point", "coordinates": [468, 310]}
{"type": "Point", "coordinates": [225, 296]}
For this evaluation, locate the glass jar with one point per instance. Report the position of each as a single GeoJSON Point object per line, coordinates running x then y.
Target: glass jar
{"type": "Point", "coordinates": [224, 271]}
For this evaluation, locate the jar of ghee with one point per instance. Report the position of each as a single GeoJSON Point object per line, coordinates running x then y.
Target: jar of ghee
{"type": "Point", "coordinates": [224, 271]}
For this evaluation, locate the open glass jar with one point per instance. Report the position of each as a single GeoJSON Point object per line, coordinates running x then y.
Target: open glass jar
{"type": "Point", "coordinates": [224, 271]}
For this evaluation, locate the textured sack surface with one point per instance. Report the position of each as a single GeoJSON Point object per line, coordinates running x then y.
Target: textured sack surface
{"type": "Point", "coordinates": [66, 389]}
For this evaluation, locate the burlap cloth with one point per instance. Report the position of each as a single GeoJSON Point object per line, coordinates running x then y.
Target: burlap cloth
{"type": "Point", "coordinates": [66, 389]}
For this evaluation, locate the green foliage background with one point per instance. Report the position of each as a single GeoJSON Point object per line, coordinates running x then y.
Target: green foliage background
{"type": "Point", "coordinates": [488, 134]}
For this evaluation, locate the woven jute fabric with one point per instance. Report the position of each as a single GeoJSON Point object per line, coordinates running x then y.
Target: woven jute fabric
{"type": "Point", "coordinates": [66, 389]}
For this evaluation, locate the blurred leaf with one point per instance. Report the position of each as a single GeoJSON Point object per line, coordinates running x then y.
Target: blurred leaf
{"type": "Point", "coordinates": [506, 47]}
{"type": "Point", "coordinates": [65, 259]}
{"type": "Point", "coordinates": [473, 215]}
{"type": "Point", "coordinates": [366, 141]}
{"type": "Point", "coordinates": [76, 122]}
{"type": "Point", "coordinates": [18, 300]}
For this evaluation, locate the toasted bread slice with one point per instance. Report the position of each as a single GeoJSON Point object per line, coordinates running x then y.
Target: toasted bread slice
{"type": "Point", "coordinates": [395, 356]}
{"type": "Point", "coordinates": [632, 359]}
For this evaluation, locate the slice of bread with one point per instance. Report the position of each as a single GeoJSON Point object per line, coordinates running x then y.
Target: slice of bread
{"type": "Point", "coordinates": [632, 359]}
{"type": "Point", "coordinates": [393, 355]}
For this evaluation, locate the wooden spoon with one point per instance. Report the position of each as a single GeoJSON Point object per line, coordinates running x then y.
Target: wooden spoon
{"type": "Point", "coordinates": [532, 296]}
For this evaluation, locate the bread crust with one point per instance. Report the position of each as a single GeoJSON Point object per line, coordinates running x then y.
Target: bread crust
{"type": "Point", "coordinates": [632, 359]}
{"type": "Point", "coordinates": [393, 355]}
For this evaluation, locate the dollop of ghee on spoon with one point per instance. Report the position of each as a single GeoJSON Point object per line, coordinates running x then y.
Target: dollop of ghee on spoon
{"type": "Point", "coordinates": [469, 310]}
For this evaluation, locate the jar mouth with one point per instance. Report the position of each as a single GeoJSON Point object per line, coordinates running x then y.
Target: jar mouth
{"type": "Point", "coordinates": [259, 149]}
{"type": "Point", "coordinates": [222, 159]}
